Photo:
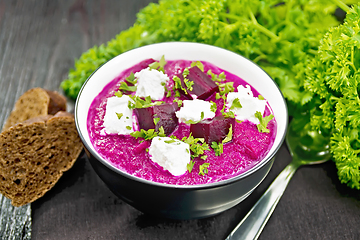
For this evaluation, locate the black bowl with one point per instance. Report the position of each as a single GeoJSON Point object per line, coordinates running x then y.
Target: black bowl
{"type": "Point", "coordinates": [181, 201]}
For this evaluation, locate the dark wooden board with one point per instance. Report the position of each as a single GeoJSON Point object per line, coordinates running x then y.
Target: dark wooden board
{"type": "Point", "coordinates": [39, 41]}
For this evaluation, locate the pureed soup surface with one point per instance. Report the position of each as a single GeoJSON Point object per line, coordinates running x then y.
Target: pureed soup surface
{"type": "Point", "coordinates": [247, 148]}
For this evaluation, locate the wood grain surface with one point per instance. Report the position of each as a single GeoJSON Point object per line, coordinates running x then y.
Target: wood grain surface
{"type": "Point", "coordinates": [39, 41]}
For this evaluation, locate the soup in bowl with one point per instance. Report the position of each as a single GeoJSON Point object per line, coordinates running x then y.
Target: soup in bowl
{"type": "Point", "coordinates": [181, 130]}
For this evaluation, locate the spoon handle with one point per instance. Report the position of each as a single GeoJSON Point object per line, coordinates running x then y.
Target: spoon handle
{"type": "Point", "coordinates": [254, 222]}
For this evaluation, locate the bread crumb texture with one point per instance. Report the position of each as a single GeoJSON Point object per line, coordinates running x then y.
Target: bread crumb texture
{"type": "Point", "coordinates": [35, 154]}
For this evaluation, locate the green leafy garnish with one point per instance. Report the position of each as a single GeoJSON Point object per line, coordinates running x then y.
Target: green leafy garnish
{"type": "Point", "coordinates": [213, 106]}
{"type": "Point", "coordinates": [188, 84]}
{"type": "Point", "coordinates": [178, 101]}
{"type": "Point", "coordinates": [217, 78]}
{"type": "Point", "coordinates": [131, 79]}
{"type": "Point", "coordinates": [218, 148]}
{"type": "Point", "coordinates": [124, 87]}
{"type": "Point", "coordinates": [119, 115]}
{"type": "Point", "coordinates": [145, 134]}
{"type": "Point", "coordinates": [158, 65]}
{"type": "Point", "coordinates": [197, 145]}
{"type": "Point", "coordinates": [228, 137]}
{"type": "Point", "coordinates": [138, 102]}
{"type": "Point", "coordinates": [236, 104]}
{"type": "Point", "coordinates": [263, 122]}
{"type": "Point", "coordinates": [198, 64]}
{"type": "Point", "coordinates": [190, 166]}
{"type": "Point", "coordinates": [203, 169]}
{"type": "Point", "coordinates": [118, 94]}
{"type": "Point", "coordinates": [156, 120]}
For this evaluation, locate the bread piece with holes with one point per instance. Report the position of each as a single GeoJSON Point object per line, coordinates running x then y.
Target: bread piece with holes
{"type": "Point", "coordinates": [34, 154]}
{"type": "Point", "coordinates": [33, 103]}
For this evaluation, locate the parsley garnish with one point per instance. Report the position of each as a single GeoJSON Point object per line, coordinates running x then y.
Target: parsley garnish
{"type": "Point", "coordinates": [203, 169]}
{"type": "Point", "coordinates": [156, 120]}
{"type": "Point", "coordinates": [236, 104]}
{"type": "Point", "coordinates": [217, 78]}
{"type": "Point", "coordinates": [218, 148]}
{"type": "Point", "coordinates": [118, 94]}
{"type": "Point", "coordinates": [228, 137]}
{"type": "Point", "coordinates": [124, 87]}
{"type": "Point", "coordinates": [263, 122]}
{"type": "Point", "coordinates": [197, 145]}
{"type": "Point", "coordinates": [131, 79]}
{"type": "Point", "coordinates": [158, 65]}
{"type": "Point", "coordinates": [190, 166]}
{"type": "Point", "coordinates": [178, 101]}
{"type": "Point", "coordinates": [213, 106]}
{"type": "Point", "coordinates": [197, 64]}
{"type": "Point", "coordinates": [260, 97]}
{"type": "Point", "coordinates": [119, 115]}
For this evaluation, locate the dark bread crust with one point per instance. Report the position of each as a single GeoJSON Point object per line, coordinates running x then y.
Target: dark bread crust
{"type": "Point", "coordinates": [33, 103]}
{"type": "Point", "coordinates": [34, 155]}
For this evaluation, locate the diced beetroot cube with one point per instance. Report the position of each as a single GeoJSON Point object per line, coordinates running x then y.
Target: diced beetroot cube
{"type": "Point", "coordinates": [203, 86]}
{"type": "Point", "coordinates": [145, 117]}
{"type": "Point", "coordinates": [213, 130]}
{"type": "Point", "coordinates": [168, 119]}
{"type": "Point", "coordinates": [165, 112]}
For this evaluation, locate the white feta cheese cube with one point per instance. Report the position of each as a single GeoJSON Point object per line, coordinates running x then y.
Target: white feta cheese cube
{"type": "Point", "coordinates": [192, 111]}
{"type": "Point", "coordinates": [118, 116]}
{"type": "Point", "coordinates": [171, 154]}
{"type": "Point", "coordinates": [150, 82]}
{"type": "Point", "coordinates": [249, 104]}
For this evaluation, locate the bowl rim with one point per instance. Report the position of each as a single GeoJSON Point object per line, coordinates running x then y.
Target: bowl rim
{"type": "Point", "coordinates": [223, 182]}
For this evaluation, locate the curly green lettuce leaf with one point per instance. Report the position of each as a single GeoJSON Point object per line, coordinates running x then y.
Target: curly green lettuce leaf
{"type": "Point", "coordinates": [333, 76]}
{"type": "Point", "coordinates": [278, 35]}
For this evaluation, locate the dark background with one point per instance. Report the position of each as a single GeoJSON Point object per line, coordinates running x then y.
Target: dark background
{"type": "Point", "coordinates": [39, 41]}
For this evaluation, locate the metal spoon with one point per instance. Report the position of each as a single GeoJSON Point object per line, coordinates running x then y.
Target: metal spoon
{"type": "Point", "coordinates": [306, 148]}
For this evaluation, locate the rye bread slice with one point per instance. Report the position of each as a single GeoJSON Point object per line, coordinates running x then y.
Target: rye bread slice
{"type": "Point", "coordinates": [33, 103]}
{"type": "Point", "coordinates": [34, 155]}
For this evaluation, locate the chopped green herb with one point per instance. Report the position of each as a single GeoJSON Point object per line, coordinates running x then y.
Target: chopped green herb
{"type": "Point", "coordinates": [139, 102]}
{"type": "Point", "coordinates": [185, 72]}
{"type": "Point", "coordinates": [145, 134]}
{"type": "Point", "coordinates": [156, 120]}
{"type": "Point", "coordinates": [228, 114]}
{"type": "Point", "coordinates": [158, 65]}
{"type": "Point", "coordinates": [131, 78]}
{"type": "Point", "coordinates": [217, 78]}
{"type": "Point", "coordinates": [197, 145]}
{"type": "Point", "coordinates": [203, 169]}
{"type": "Point", "coordinates": [263, 122]}
{"type": "Point", "coordinates": [260, 97]}
{"type": "Point", "coordinates": [198, 64]}
{"type": "Point", "coordinates": [118, 94]}
{"type": "Point", "coordinates": [178, 101]}
{"type": "Point", "coordinates": [119, 115]}
{"type": "Point", "coordinates": [228, 137]}
{"type": "Point", "coordinates": [190, 166]}
{"type": "Point", "coordinates": [128, 128]}
{"type": "Point", "coordinates": [177, 84]}
{"type": "Point", "coordinates": [225, 88]}
{"type": "Point", "coordinates": [161, 132]}
{"type": "Point", "coordinates": [213, 106]}
{"type": "Point", "coordinates": [188, 84]}
{"type": "Point", "coordinates": [218, 148]}
{"type": "Point", "coordinates": [236, 104]}
{"type": "Point", "coordinates": [124, 87]}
